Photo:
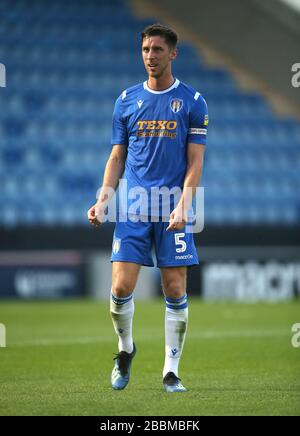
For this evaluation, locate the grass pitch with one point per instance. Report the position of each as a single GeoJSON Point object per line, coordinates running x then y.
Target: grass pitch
{"type": "Point", "coordinates": [238, 359]}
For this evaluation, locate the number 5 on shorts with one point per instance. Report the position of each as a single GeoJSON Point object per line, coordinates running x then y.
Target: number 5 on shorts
{"type": "Point", "coordinates": [178, 241]}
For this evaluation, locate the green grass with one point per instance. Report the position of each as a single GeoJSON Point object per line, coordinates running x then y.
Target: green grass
{"type": "Point", "coordinates": [238, 359]}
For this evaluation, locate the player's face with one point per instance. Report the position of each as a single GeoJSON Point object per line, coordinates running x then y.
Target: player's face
{"type": "Point", "coordinates": [157, 56]}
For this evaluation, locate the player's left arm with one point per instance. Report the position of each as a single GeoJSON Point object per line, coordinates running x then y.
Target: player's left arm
{"type": "Point", "coordinates": [196, 139]}
{"type": "Point", "coordinates": [195, 155]}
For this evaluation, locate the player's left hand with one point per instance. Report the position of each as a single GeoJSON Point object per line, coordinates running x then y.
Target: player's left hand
{"type": "Point", "coordinates": [178, 219]}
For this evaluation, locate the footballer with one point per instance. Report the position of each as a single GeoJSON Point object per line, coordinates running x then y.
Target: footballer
{"type": "Point", "coordinates": [158, 139]}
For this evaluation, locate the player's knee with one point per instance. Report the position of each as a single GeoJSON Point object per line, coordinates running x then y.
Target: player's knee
{"type": "Point", "coordinates": [174, 290]}
{"type": "Point", "coordinates": [122, 290]}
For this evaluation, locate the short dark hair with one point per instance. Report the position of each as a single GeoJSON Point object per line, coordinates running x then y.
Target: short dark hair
{"type": "Point", "coordinates": [157, 29]}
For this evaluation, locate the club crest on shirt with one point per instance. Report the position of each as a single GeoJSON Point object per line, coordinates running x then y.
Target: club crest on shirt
{"type": "Point", "coordinates": [176, 104]}
{"type": "Point", "coordinates": [116, 245]}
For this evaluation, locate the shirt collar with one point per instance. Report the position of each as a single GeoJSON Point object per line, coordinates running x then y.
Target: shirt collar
{"type": "Point", "coordinates": [175, 85]}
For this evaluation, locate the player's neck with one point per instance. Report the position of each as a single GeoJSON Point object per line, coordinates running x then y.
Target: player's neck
{"type": "Point", "coordinates": [160, 83]}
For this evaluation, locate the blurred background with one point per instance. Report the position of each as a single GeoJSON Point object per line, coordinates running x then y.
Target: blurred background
{"type": "Point", "coordinates": [63, 64]}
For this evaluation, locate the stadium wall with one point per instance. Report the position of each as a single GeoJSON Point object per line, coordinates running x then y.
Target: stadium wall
{"type": "Point", "coordinates": [237, 263]}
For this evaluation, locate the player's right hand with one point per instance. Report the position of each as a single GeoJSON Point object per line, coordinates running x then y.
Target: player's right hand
{"type": "Point", "coordinates": [94, 215]}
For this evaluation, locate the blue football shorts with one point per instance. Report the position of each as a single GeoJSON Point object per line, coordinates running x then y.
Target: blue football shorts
{"type": "Point", "coordinates": [134, 241]}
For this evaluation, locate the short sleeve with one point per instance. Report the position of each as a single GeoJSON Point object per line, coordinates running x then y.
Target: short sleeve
{"type": "Point", "coordinates": [119, 129]}
{"type": "Point", "coordinates": [198, 121]}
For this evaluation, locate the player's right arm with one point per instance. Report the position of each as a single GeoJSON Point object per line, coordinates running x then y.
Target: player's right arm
{"type": "Point", "coordinates": [113, 172]}
{"type": "Point", "coordinates": [115, 164]}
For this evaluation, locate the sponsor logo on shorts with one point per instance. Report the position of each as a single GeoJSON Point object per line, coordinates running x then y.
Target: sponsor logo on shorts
{"type": "Point", "coordinates": [185, 257]}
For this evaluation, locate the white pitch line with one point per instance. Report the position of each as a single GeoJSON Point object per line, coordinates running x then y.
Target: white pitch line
{"type": "Point", "coordinates": [234, 334]}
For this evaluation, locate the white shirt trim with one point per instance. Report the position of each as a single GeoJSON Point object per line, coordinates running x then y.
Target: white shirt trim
{"type": "Point", "coordinates": [175, 85]}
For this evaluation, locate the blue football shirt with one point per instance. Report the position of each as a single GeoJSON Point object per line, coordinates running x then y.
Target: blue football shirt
{"type": "Point", "coordinates": [155, 127]}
